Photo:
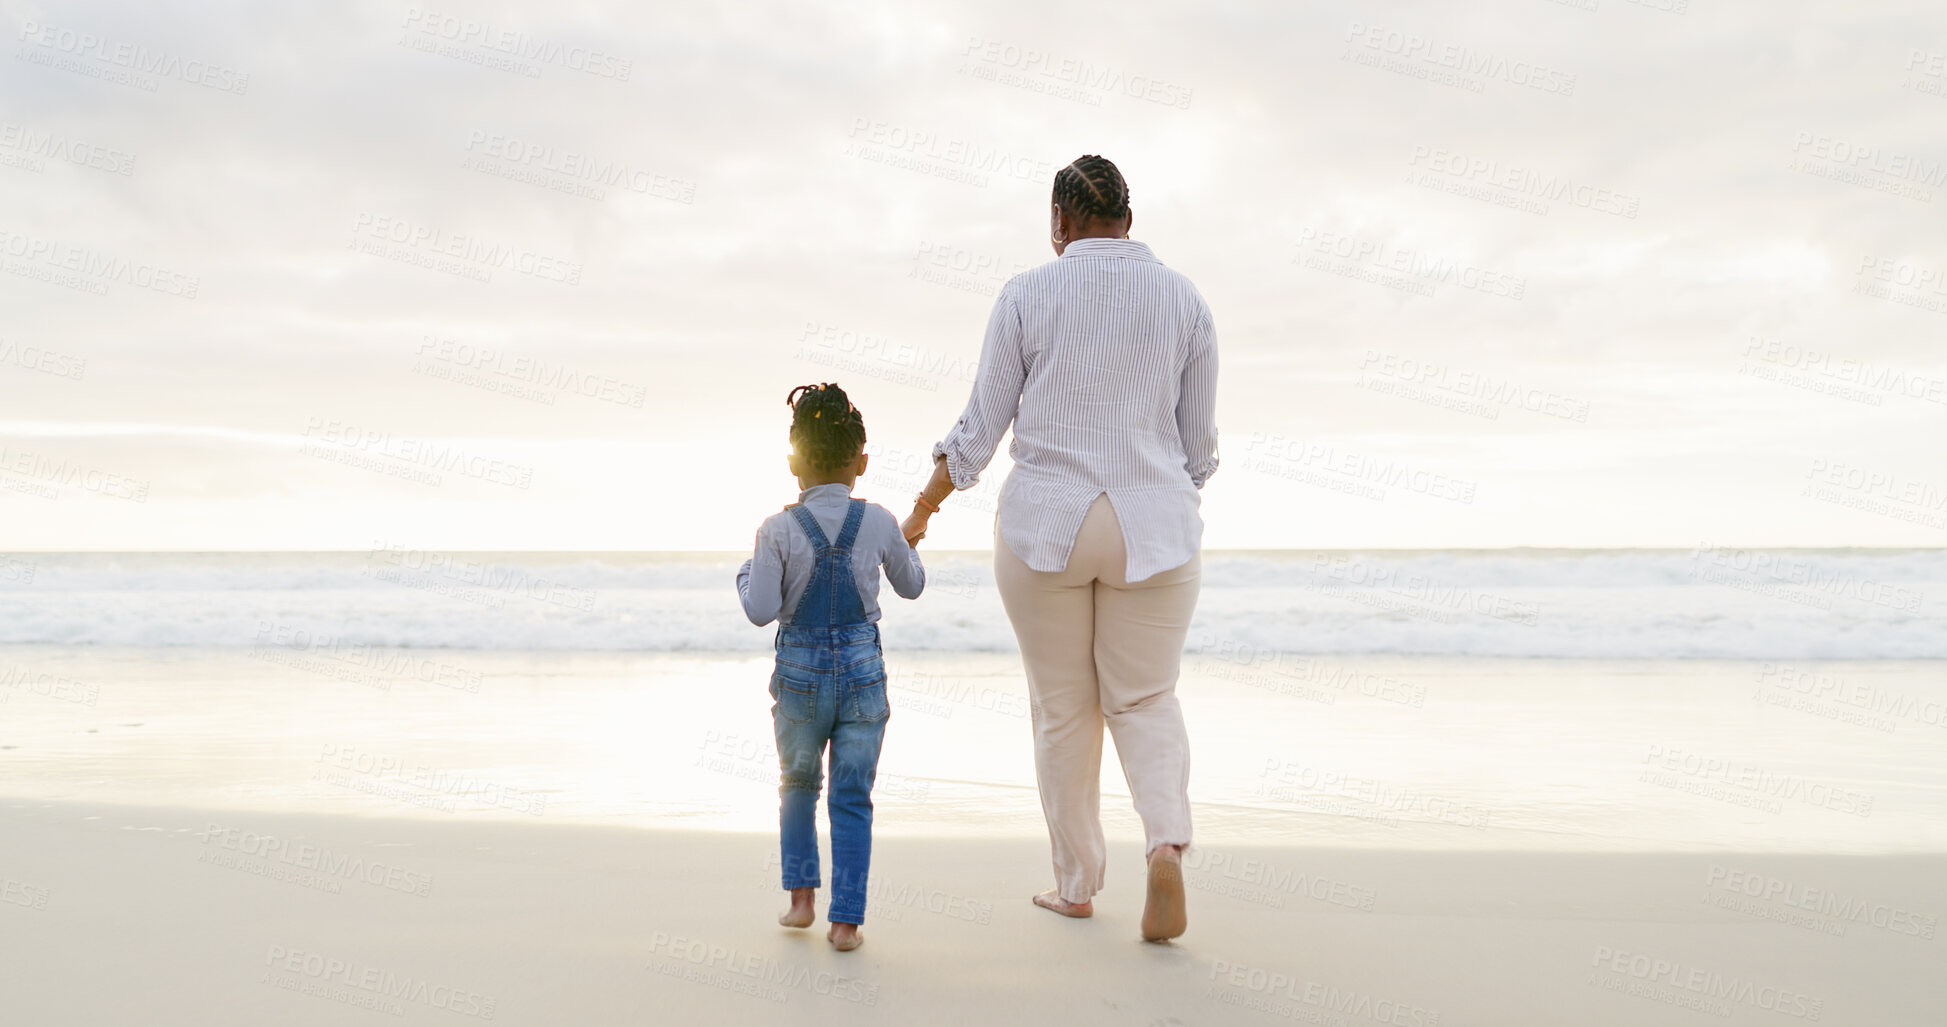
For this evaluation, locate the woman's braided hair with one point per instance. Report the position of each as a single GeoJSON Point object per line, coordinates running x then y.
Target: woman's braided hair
{"type": "Point", "coordinates": [826, 429]}
{"type": "Point", "coordinates": [1091, 188]}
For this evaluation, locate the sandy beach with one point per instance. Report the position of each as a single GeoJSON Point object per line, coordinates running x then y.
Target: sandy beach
{"type": "Point", "coordinates": [166, 915]}
{"type": "Point", "coordinates": [219, 836]}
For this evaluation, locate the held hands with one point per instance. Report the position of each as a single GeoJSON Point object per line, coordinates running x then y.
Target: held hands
{"type": "Point", "coordinates": [939, 485]}
{"type": "Point", "coordinates": [914, 527]}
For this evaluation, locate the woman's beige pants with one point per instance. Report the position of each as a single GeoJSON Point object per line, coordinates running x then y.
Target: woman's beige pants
{"type": "Point", "coordinates": [1099, 649]}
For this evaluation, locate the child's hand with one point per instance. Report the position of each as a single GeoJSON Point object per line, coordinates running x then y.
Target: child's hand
{"type": "Point", "coordinates": [914, 528]}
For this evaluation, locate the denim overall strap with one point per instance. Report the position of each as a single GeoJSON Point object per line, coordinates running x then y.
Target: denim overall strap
{"type": "Point", "coordinates": [849, 533]}
{"type": "Point", "coordinates": [811, 529]}
{"type": "Point", "coordinates": [831, 598]}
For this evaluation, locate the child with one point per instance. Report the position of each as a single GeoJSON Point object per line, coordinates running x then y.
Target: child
{"type": "Point", "coordinates": [816, 570]}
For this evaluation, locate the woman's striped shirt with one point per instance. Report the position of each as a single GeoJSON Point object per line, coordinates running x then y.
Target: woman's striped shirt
{"type": "Point", "coordinates": [1105, 363]}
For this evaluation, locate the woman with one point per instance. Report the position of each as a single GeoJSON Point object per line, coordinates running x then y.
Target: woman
{"type": "Point", "coordinates": [1105, 363]}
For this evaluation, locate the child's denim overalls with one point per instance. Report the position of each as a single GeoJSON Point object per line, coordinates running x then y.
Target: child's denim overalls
{"type": "Point", "coordinates": [830, 686]}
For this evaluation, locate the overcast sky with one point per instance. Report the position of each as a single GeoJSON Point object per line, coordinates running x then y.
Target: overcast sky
{"type": "Point", "coordinates": [1604, 273]}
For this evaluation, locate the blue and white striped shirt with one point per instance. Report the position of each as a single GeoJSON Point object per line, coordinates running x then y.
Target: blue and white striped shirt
{"type": "Point", "coordinates": [1105, 363]}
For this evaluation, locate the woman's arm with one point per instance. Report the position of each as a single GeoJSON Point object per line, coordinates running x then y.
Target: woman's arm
{"type": "Point", "coordinates": [1196, 404]}
{"type": "Point", "coordinates": [959, 458]}
{"type": "Point", "coordinates": [938, 487]}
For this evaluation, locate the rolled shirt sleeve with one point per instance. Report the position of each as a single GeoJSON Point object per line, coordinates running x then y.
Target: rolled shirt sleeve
{"type": "Point", "coordinates": [1196, 404]}
{"type": "Point", "coordinates": [996, 398]}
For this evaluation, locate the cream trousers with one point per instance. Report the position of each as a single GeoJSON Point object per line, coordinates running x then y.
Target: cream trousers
{"type": "Point", "coordinates": [1098, 649]}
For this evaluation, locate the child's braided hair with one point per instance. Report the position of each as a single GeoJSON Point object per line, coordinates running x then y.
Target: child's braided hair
{"type": "Point", "coordinates": [1092, 188]}
{"type": "Point", "coordinates": [826, 429]}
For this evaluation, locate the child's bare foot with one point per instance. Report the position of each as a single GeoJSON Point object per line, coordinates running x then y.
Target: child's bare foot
{"type": "Point", "coordinates": [1164, 913]}
{"type": "Point", "coordinates": [845, 937]}
{"type": "Point", "coordinates": [800, 914]}
{"type": "Point", "coordinates": [1052, 899]}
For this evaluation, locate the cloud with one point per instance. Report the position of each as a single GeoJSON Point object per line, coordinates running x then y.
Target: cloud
{"type": "Point", "coordinates": [243, 217]}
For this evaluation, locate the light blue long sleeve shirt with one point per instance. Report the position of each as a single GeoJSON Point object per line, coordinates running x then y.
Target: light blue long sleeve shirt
{"type": "Point", "coordinates": [772, 581]}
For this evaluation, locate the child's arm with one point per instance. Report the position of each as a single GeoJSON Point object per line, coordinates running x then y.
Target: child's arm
{"type": "Point", "coordinates": [760, 582]}
{"type": "Point", "coordinates": [902, 566]}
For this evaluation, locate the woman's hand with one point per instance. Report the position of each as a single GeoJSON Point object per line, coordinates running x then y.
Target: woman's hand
{"type": "Point", "coordinates": [914, 527]}
{"type": "Point", "coordinates": [927, 503]}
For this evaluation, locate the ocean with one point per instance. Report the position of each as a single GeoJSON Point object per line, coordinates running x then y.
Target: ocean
{"type": "Point", "coordinates": [1717, 699]}
{"type": "Point", "coordinates": [1710, 602]}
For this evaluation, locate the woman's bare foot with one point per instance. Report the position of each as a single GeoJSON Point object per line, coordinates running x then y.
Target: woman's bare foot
{"type": "Point", "coordinates": [1164, 913]}
{"type": "Point", "coordinates": [1052, 899]}
{"type": "Point", "coordinates": [800, 914]}
{"type": "Point", "coordinates": [845, 937]}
